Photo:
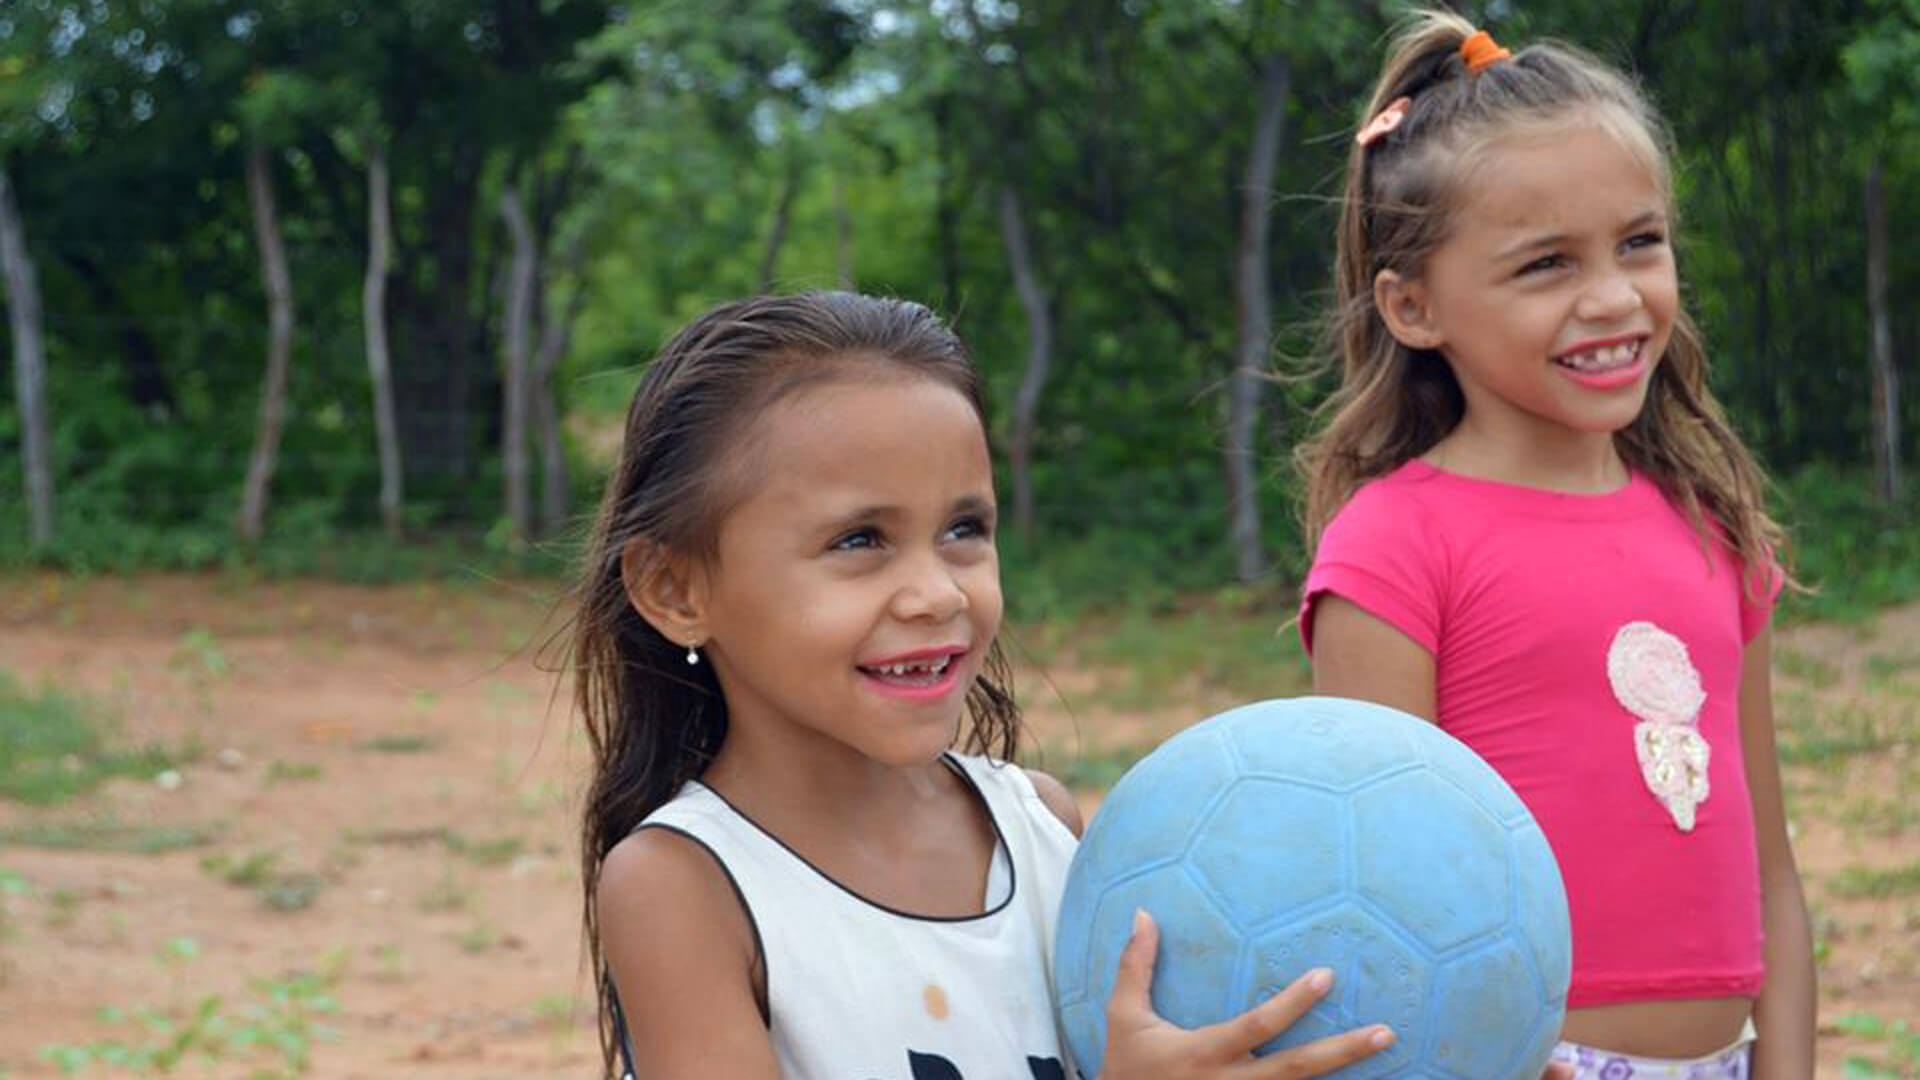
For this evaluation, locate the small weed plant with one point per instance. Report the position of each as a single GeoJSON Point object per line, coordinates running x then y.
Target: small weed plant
{"type": "Point", "coordinates": [271, 1033]}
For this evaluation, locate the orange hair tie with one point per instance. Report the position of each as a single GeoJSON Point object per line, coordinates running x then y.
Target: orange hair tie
{"type": "Point", "coordinates": [1480, 52]}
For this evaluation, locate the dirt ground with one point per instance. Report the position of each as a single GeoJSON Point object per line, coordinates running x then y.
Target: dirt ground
{"type": "Point", "coordinates": [385, 792]}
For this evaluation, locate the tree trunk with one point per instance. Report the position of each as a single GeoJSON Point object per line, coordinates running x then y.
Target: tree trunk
{"type": "Point", "coordinates": [273, 393]}
{"type": "Point", "coordinates": [777, 234]}
{"type": "Point", "coordinates": [556, 331]}
{"type": "Point", "coordinates": [379, 361]}
{"type": "Point", "coordinates": [29, 366]}
{"type": "Point", "coordinates": [518, 317]}
{"type": "Point", "coordinates": [1026, 402]}
{"type": "Point", "coordinates": [1886, 384]}
{"type": "Point", "coordinates": [1255, 329]}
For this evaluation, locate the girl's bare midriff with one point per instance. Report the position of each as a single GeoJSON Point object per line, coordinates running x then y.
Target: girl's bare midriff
{"type": "Point", "coordinates": [1660, 1029]}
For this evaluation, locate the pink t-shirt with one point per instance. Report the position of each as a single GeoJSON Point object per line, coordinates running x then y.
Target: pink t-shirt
{"type": "Point", "coordinates": [1589, 647]}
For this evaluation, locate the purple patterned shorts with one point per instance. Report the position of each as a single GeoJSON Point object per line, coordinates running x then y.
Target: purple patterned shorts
{"type": "Point", "coordinates": [1590, 1064]}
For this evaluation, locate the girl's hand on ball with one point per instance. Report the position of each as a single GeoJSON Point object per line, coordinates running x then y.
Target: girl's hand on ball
{"type": "Point", "coordinates": [1142, 1044]}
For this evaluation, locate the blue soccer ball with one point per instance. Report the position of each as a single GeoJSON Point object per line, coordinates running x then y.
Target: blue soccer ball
{"type": "Point", "coordinates": [1287, 835]}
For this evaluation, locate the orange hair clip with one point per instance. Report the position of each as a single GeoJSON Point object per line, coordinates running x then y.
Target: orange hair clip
{"type": "Point", "coordinates": [1480, 52]}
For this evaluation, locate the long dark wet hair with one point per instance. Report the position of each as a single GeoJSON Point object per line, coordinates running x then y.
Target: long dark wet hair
{"type": "Point", "coordinates": [652, 721]}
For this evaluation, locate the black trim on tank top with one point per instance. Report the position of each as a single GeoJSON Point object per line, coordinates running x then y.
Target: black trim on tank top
{"type": "Point", "coordinates": [753, 924]}
{"type": "Point", "coordinates": [999, 839]}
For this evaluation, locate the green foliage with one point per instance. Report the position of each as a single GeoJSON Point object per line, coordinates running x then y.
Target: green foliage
{"type": "Point", "coordinates": [272, 1032]}
{"type": "Point", "coordinates": [400, 744]}
{"type": "Point", "coordinates": [54, 746]}
{"type": "Point", "coordinates": [1899, 1042]}
{"type": "Point", "coordinates": [1813, 735]}
{"type": "Point", "coordinates": [660, 141]}
{"type": "Point", "coordinates": [1091, 768]}
{"type": "Point", "coordinates": [309, 540]}
{"type": "Point", "coordinates": [1856, 553]}
{"type": "Point", "coordinates": [108, 835]}
{"type": "Point", "coordinates": [259, 872]}
{"type": "Point", "coordinates": [1869, 882]}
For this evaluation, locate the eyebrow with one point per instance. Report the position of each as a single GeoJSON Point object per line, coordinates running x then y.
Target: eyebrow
{"type": "Point", "coordinates": [966, 504]}
{"type": "Point", "coordinates": [1557, 239]}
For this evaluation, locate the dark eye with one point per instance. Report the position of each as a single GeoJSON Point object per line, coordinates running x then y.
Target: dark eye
{"type": "Point", "coordinates": [971, 527]}
{"type": "Point", "coordinates": [1542, 264]}
{"type": "Point", "coordinates": [858, 540]}
{"type": "Point", "coordinates": [1649, 239]}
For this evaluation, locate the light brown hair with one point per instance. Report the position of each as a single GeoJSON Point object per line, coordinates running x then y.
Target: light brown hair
{"type": "Point", "coordinates": [1394, 403]}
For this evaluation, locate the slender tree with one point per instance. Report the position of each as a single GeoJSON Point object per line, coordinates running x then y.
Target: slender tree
{"type": "Point", "coordinates": [1253, 354]}
{"type": "Point", "coordinates": [556, 333]}
{"type": "Point", "coordinates": [29, 365]}
{"type": "Point", "coordinates": [1033, 378]}
{"type": "Point", "coordinates": [521, 278]}
{"type": "Point", "coordinates": [374, 325]}
{"type": "Point", "coordinates": [251, 523]}
{"type": "Point", "coordinates": [1886, 379]}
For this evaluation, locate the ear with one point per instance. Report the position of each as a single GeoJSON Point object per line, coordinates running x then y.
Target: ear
{"type": "Point", "coordinates": [1403, 306]}
{"type": "Point", "coordinates": [667, 589]}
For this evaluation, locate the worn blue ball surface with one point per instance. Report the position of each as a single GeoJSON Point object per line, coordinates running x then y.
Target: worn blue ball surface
{"type": "Point", "coordinates": [1293, 834]}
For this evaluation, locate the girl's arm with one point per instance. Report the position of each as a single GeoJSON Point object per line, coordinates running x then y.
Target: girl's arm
{"type": "Point", "coordinates": [682, 954]}
{"type": "Point", "coordinates": [1357, 655]}
{"type": "Point", "coordinates": [1784, 1014]}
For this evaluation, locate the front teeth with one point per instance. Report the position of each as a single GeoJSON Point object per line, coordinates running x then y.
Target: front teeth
{"type": "Point", "coordinates": [1603, 359]}
{"type": "Point", "coordinates": [920, 668]}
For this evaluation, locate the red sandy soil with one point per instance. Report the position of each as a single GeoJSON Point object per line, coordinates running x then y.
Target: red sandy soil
{"type": "Point", "coordinates": [401, 752]}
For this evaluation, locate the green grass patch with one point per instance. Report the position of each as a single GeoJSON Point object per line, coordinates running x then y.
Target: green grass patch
{"type": "Point", "coordinates": [1897, 1038]}
{"type": "Point", "coordinates": [271, 1031]}
{"type": "Point", "coordinates": [1095, 768]}
{"type": "Point", "coordinates": [1881, 668]}
{"type": "Point", "coordinates": [55, 745]}
{"type": "Point", "coordinates": [495, 851]}
{"type": "Point", "coordinates": [247, 872]}
{"type": "Point", "coordinates": [1234, 642]}
{"type": "Point", "coordinates": [399, 744]}
{"type": "Point", "coordinates": [1811, 735]}
{"type": "Point", "coordinates": [311, 538]}
{"type": "Point", "coordinates": [280, 772]}
{"type": "Point", "coordinates": [1811, 670]}
{"type": "Point", "coordinates": [259, 871]}
{"type": "Point", "coordinates": [109, 836]}
{"type": "Point", "coordinates": [1875, 883]}
{"type": "Point", "coordinates": [409, 837]}
{"type": "Point", "coordinates": [1880, 817]}
{"type": "Point", "coordinates": [1857, 553]}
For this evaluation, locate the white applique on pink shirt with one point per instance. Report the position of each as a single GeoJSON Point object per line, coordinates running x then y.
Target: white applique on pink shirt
{"type": "Point", "coordinates": [1654, 679]}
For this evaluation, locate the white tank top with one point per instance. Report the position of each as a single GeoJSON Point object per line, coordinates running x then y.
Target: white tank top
{"type": "Point", "coordinates": [858, 991]}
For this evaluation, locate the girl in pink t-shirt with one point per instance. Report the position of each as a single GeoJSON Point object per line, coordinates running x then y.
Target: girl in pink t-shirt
{"type": "Point", "coordinates": [1535, 528]}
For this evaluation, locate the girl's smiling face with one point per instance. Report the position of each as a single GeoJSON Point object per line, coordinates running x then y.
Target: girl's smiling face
{"type": "Point", "coordinates": [856, 588]}
{"type": "Point", "coordinates": [1554, 295]}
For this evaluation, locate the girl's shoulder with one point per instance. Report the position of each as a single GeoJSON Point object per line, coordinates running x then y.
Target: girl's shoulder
{"type": "Point", "coordinates": [1022, 783]}
{"type": "Point", "coordinates": [663, 866]}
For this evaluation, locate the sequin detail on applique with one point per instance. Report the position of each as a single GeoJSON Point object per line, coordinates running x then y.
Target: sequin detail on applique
{"type": "Point", "coordinates": [1654, 679]}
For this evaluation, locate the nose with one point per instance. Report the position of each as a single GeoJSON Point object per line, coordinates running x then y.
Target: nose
{"type": "Point", "coordinates": [929, 590]}
{"type": "Point", "coordinates": [1611, 295]}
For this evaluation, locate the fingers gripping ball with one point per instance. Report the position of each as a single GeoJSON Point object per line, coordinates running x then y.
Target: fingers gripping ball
{"type": "Point", "coordinates": [1286, 835]}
